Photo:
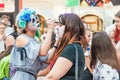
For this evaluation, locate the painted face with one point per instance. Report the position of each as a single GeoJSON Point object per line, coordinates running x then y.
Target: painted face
{"type": "Point", "coordinates": [59, 31]}
{"type": "Point", "coordinates": [35, 20]}
{"type": "Point", "coordinates": [27, 16]}
{"type": "Point", "coordinates": [32, 28]}
{"type": "Point", "coordinates": [117, 22]}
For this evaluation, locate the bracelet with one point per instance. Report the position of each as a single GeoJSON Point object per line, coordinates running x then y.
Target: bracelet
{"type": "Point", "coordinates": [55, 46]}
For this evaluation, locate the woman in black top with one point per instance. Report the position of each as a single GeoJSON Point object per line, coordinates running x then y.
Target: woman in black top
{"type": "Point", "coordinates": [74, 33]}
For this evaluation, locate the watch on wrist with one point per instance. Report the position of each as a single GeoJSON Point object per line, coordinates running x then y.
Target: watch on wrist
{"type": "Point", "coordinates": [55, 46]}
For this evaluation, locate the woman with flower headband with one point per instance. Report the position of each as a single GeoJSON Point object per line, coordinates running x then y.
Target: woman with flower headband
{"type": "Point", "coordinates": [26, 54]}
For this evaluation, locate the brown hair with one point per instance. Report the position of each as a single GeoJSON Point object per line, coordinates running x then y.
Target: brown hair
{"type": "Point", "coordinates": [5, 16]}
{"type": "Point", "coordinates": [103, 50]}
{"type": "Point", "coordinates": [118, 52]}
{"type": "Point", "coordinates": [117, 31]}
{"type": "Point", "coordinates": [74, 31]}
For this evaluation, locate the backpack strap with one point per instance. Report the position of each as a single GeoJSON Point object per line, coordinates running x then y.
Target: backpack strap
{"type": "Point", "coordinates": [119, 74]}
{"type": "Point", "coordinates": [76, 65]}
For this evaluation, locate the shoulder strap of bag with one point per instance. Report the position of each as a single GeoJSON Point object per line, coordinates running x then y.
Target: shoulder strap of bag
{"type": "Point", "coordinates": [76, 64]}
{"type": "Point", "coordinates": [119, 74]}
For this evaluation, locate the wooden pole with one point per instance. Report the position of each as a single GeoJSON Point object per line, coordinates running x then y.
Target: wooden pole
{"type": "Point", "coordinates": [18, 6]}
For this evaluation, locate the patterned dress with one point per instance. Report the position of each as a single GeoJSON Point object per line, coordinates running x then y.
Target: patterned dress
{"type": "Point", "coordinates": [105, 72]}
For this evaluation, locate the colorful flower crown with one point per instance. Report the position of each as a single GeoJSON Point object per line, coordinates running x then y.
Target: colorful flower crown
{"type": "Point", "coordinates": [27, 15]}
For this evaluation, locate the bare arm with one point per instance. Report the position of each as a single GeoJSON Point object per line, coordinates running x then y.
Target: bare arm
{"type": "Point", "coordinates": [87, 63]}
{"type": "Point", "coordinates": [43, 72]}
{"type": "Point", "coordinates": [8, 44]}
{"type": "Point", "coordinates": [59, 69]}
{"type": "Point", "coordinates": [45, 46]}
{"type": "Point", "coordinates": [6, 52]}
{"type": "Point", "coordinates": [52, 51]}
{"type": "Point", "coordinates": [9, 41]}
{"type": "Point", "coordinates": [47, 42]}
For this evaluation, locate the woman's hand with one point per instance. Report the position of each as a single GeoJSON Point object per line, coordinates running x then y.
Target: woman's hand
{"type": "Point", "coordinates": [50, 23]}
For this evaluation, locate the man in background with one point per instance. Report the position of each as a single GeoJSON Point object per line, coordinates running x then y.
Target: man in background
{"type": "Point", "coordinates": [6, 20]}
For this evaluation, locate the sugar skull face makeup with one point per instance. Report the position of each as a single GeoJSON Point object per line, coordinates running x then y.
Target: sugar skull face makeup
{"type": "Point", "coordinates": [27, 17]}
{"type": "Point", "coordinates": [35, 20]}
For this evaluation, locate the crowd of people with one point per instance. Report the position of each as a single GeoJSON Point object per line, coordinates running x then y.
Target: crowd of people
{"type": "Point", "coordinates": [23, 57]}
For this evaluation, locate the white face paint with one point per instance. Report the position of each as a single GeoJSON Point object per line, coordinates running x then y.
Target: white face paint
{"type": "Point", "coordinates": [59, 31]}
{"type": "Point", "coordinates": [32, 28]}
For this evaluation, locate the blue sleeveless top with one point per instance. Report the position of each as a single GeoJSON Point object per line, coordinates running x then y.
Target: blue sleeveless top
{"type": "Point", "coordinates": [27, 57]}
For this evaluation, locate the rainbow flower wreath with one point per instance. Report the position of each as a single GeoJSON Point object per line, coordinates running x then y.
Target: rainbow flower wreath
{"type": "Point", "coordinates": [27, 15]}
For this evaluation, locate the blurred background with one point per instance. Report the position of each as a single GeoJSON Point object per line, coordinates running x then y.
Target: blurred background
{"type": "Point", "coordinates": [98, 14]}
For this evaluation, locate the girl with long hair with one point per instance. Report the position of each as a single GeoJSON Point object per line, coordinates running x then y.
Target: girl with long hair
{"type": "Point", "coordinates": [74, 34]}
{"type": "Point", "coordinates": [103, 57]}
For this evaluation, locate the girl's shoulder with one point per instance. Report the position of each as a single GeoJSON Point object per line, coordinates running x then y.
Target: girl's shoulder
{"type": "Point", "coordinates": [21, 41]}
{"type": "Point", "coordinates": [106, 72]}
{"type": "Point", "coordinates": [107, 68]}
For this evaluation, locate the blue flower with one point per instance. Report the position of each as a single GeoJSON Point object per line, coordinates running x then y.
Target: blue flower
{"type": "Point", "coordinates": [25, 14]}
{"type": "Point", "coordinates": [26, 17]}
{"type": "Point", "coordinates": [22, 24]}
